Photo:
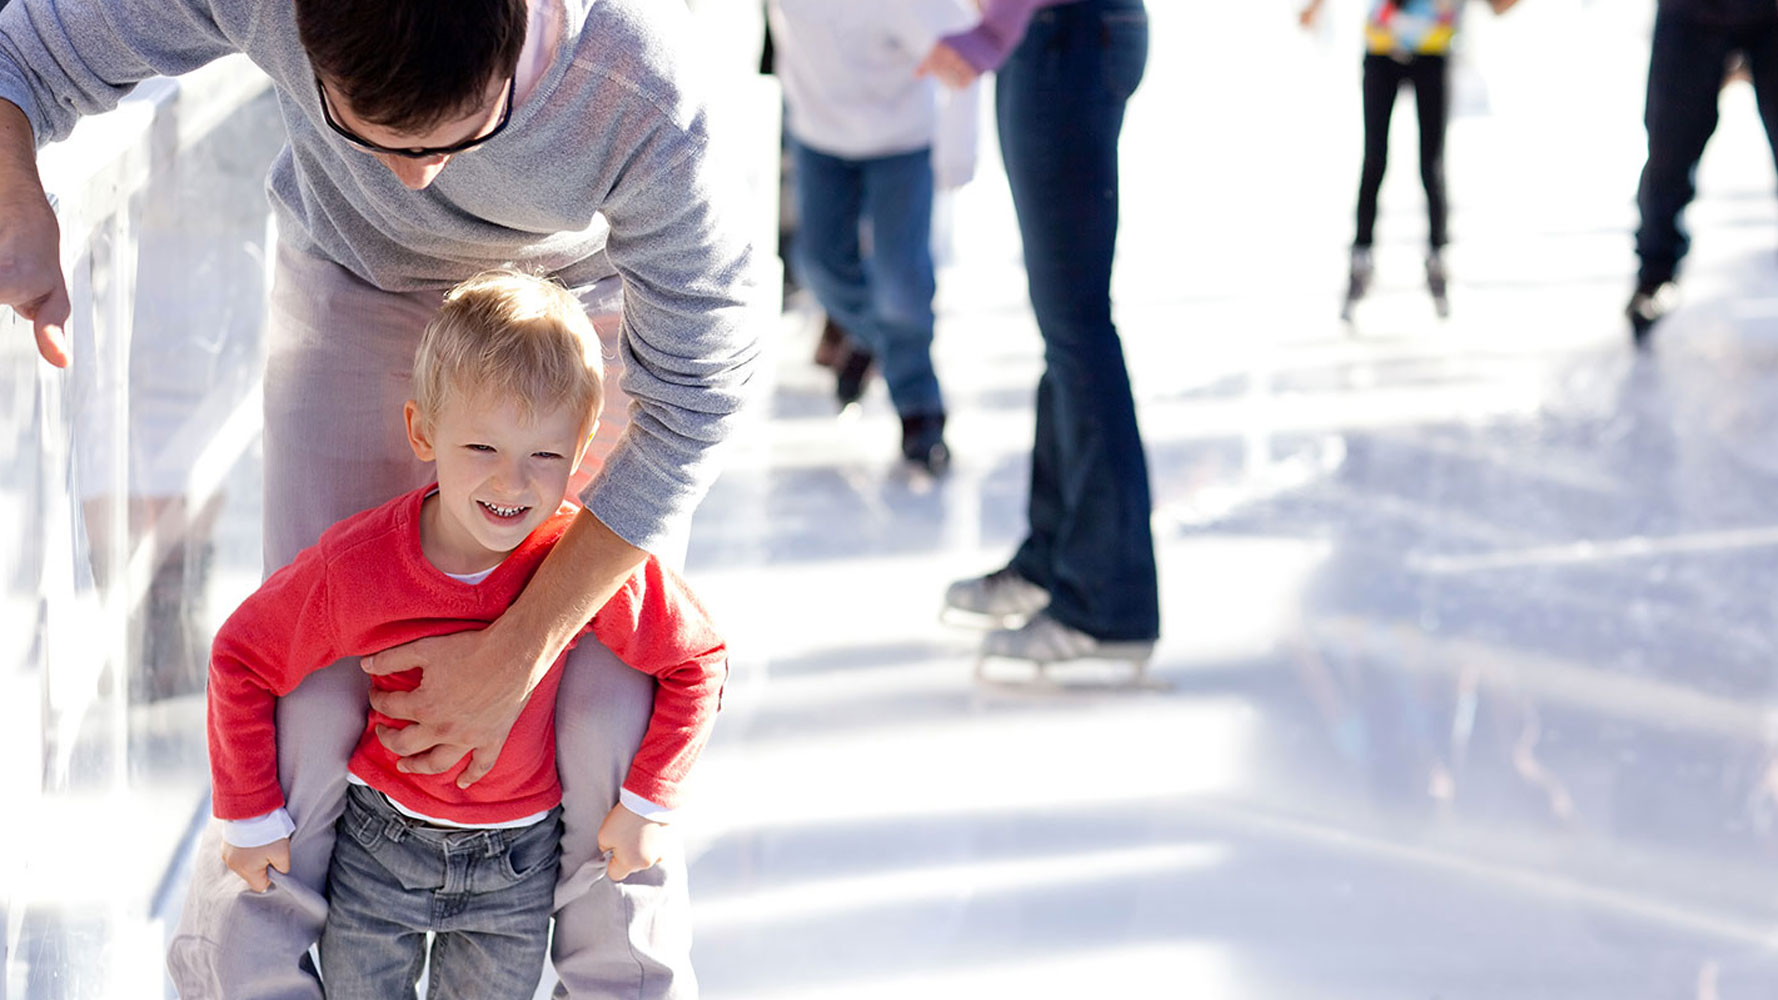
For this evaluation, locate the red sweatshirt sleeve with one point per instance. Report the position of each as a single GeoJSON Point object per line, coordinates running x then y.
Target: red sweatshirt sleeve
{"type": "Point", "coordinates": [278, 636]}
{"type": "Point", "coordinates": [655, 625]}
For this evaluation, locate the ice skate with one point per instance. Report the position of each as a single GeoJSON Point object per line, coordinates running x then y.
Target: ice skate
{"type": "Point", "coordinates": [1652, 300]}
{"type": "Point", "coordinates": [1359, 281]}
{"type": "Point", "coordinates": [1002, 599]}
{"type": "Point", "coordinates": [1438, 283]}
{"type": "Point", "coordinates": [1044, 642]}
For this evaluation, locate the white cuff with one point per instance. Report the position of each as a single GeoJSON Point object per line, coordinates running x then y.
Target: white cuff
{"type": "Point", "coordinates": [644, 808]}
{"type": "Point", "coordinates": [258, 831]}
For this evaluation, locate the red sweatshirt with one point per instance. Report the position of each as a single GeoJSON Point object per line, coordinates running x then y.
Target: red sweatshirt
{"type": "Point", "coordinates": [365, 587]}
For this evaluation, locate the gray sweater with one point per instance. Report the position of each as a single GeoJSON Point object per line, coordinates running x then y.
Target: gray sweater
{"type": "Point", "coordinates": [605, 168]}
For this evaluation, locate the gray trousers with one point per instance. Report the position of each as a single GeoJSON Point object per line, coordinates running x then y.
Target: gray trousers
{"type": "Point", "coordinates": [337, 373]}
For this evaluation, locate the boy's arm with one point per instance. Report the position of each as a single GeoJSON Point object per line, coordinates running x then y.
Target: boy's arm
{"type": "Point", "coordinates": [655, 625]}
{"type": "Point", "coordinates": [280, 634]}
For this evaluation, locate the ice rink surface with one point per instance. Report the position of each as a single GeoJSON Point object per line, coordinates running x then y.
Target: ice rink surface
{"type": "Point", "coordinates": [1466, 686]}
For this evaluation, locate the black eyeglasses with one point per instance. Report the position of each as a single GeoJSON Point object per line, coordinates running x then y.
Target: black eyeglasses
{"type": "Point", "coordinates": [417, 152]}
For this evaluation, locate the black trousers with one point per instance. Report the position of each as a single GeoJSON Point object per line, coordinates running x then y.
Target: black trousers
{"type": "Point", "coordinates": [1383, 77]}
{"type": "Point", "coordinates": [1685, 72]}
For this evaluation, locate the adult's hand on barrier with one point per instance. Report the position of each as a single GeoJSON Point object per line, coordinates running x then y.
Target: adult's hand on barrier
{"type": "Point", "coordinates": [31, 279]}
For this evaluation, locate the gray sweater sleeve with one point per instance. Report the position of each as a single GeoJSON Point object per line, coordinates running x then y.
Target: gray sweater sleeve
{"type": "Point", "coordinates": [61, 59]}
{"type": "Point", "coordinates": [691, 335]}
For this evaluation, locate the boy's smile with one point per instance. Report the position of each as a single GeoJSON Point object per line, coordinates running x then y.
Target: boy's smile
{"type": "Point", "coordinates": [500, 475]}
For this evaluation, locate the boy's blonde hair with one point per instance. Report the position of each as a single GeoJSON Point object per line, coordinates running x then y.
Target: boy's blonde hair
{"type": "Point", "coordinates": [513, 336]}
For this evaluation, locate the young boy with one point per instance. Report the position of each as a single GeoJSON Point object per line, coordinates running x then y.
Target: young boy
{"type": "Point", "coordinates": [506, 396]}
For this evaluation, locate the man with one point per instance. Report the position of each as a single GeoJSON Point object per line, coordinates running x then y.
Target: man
{"type": "Point", "coordinates": [426, 142]}
{"type": "Point", "coordinates": [1693, 43]}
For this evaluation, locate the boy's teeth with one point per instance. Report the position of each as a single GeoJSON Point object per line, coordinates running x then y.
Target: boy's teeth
{"type": "Point", "coordinates": [502, 511]}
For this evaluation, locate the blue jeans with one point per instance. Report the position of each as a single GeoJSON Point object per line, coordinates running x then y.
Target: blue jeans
{"type": "Point", "coordinates": [486, 895]}
{"type": "Point", "coordinates": [882, 298]}
{"type": "Point", "coordinates": [1060, 104]}
{"type": "Point", "coordinates": [1685, 72]}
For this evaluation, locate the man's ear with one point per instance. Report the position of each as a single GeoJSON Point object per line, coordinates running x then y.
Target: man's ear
{"type": "Point", "coordinates": [419, 434]}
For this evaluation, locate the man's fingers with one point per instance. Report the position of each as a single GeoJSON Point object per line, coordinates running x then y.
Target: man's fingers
{"type": "Point", "coordinates": [395, 704]}
{"type": "Point", "coordinates": [479, 766]}
{"type": "Point", "coordinates": [408, 741]}
{"type": "Point", "coordinates": [49, 319]}
{"type": "Point", "coordinates": [436, 760]}
{"type": "Point", "coordinates": [390, 661]}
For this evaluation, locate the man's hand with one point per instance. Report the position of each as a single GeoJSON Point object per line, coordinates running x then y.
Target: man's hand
{"type": "Point", "coordinates": [474, 684]}
{"type": "Point", "coordinates": [472, 687]}
{"type": "Point", "coordinates": [30, 241]}
{"type": "Point", "coordinates": [948, 66]}
{"type": "Point", "coordinates": [636, 844]}
{"type": "Point", "coordinates": [250, 862]}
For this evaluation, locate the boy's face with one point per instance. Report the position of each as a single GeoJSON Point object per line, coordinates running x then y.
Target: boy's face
{"type": "Point", "coordinates": [499, 474]}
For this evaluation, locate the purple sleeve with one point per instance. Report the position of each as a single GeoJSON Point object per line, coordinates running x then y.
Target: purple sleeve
{"type": "Point", "coordinates": [987, 45]}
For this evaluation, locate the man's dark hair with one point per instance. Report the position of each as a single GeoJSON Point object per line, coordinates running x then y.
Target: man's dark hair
{"type": "Point", "coordinates": [409, 64]}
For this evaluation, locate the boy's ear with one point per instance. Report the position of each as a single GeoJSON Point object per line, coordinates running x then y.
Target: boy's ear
{"type": "Point", "coordinates": [419, 435]}
{"type": "Point", "coordinates": [585, 443]}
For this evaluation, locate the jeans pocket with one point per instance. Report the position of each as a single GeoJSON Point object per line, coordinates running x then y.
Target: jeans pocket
{"type": "Point", "coordinates": [1123, 35]}
{"type": "Point", "coordinates": [533, 849]}
{"type": "Point", "coordinates": [360, 820]}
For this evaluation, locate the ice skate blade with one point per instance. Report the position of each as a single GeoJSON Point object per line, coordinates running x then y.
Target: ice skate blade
{"type": "Point", "coordinates": [964, 618]}
{"type": "Point", "coordinates": [1104, 671]}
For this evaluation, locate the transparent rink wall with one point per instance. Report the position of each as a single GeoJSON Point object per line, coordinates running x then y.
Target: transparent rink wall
{"type": "Point", "coordinates": [129, 486]}
{"type": "Point", "coordinates": [130, 498]}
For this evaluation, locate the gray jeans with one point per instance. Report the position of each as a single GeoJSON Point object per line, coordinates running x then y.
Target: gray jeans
{"type": "Point", "coordinates": [485, 895]}
{"type": "Point", "coordinates": [337, 373]}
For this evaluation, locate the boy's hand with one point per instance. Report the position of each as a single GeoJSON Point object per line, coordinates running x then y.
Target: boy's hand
{"type": "Point", "coordinates": [250, 862]}
{"type": "Point", "coordinates": [636, 844]}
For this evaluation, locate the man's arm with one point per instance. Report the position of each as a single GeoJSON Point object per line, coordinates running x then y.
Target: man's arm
{"type": "Point", "coordinates": [59, 60]}
{"type": "Point", "coordinates": [690, 344]}
{"type": "Point", "coordinates": [475, 684]}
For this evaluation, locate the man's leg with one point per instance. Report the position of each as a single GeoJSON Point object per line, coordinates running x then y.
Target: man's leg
{"type": "Point", "coordinates": [337, 373]}
{"type": "Point", "coordinates": [1685, 72]}
{"type": "Point", "coordinates": [614, 941]}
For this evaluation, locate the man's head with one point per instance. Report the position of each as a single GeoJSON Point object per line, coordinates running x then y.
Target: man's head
{"type": "Point", "coordinates": [413, 74]}
{"type": "Point", "coordinates": [507, 388]}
